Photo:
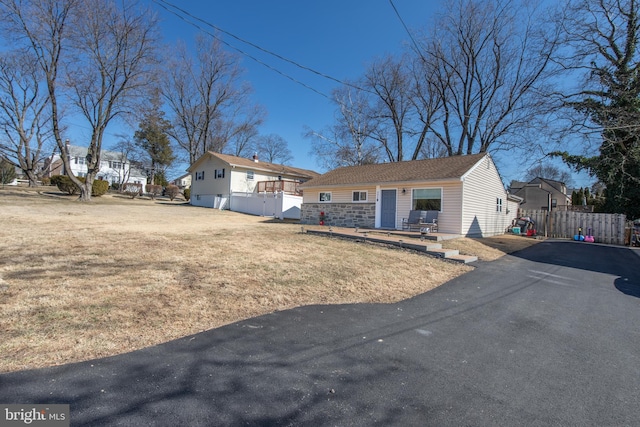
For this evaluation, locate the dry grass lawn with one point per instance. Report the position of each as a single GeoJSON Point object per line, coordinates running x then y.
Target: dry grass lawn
{"type": "Point", "coordinates": [86, 280]}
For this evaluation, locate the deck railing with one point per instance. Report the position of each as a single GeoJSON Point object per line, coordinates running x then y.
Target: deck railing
{"type": "Point", "coordinates": [288, 187]}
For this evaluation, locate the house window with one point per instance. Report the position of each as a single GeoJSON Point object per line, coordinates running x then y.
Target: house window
{"type": "Point", "coordinates": [250, 175]}
{"type": "Point", "coordinates": [359, 196]}
{"type": "Point", "coordinates": [218, 173]}
{"type": "Point", "coordinates": [498, 205]}
{"type": "Point", "coordinates": [427, 199]}
{"type": "Point", "coordinates": [79, 160]}
{"type": "Point", "coordinates": [325, 197]}
{"type": "Point", "coordinates": [116, 165]}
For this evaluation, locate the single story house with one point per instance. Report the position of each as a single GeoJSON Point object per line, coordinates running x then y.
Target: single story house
{"type": "Point", "coordinates": [467, 192]}
{"type": "Point", "coordinates": [215, 177]}
{"type": "Point", "coordinates": [542, 194]}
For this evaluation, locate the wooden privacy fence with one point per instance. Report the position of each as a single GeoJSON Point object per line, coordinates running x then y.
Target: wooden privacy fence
{"type": "Point", "coordinates": [605, 228]}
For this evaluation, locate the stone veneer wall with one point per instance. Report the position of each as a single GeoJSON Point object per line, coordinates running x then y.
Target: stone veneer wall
{"type": "Point", "coordinates": [340, 214]}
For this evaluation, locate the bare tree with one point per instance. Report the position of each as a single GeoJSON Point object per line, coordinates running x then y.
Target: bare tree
{"type": "Point", "coordinates": [41, 28]}
{"type": "Point", "coordinates": [548, 171]}
{"type": "Point", "coordinates": [208, 102]}
{"type": "Point", "coordinates": [114, 51]}
{"type": "Point", "coordinates": [240, 135]}
{"type": "Point", "coordinates": [491, 61]}
{"type": "Point", "coordinates": [348, 142]}
{"type": "Point", "coordinates": [130, 155]}
{"type": "Point", "coordinates": [602, 54]}
{"type": "Point", "coordinates": [24, 114]}
{"type": "Point", "coordinates": [96, 54]}
{"type": "Point", "coordinates": [427, 103]}
{"type": "Point", "coordinates": [392, 107]}
{"type": "Point", "coordinates": [273, 149]}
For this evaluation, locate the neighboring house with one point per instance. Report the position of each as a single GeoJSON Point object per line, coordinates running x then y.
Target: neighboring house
{"type": "Point", "coordinates": [542, 193]}
{"type": "Point", "coordinates": [215, 176]}
{"type": "Point", "coordinates": [114, 166]}
{"type": "Point", "coordinates": [183, 182]}
{"type": "Point", "coordinates": [466, 190]}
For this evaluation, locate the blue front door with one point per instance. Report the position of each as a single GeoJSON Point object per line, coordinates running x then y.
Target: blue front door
{"type": "Point", "coordinates": [388, 209]}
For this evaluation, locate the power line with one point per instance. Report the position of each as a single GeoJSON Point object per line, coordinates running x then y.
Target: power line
{"type": "Point", "coordinates": [413, 40]}
{"type": "Point", "coordinates": [235, 48]}
{"type": "Point", "coordinates": [171, 8]}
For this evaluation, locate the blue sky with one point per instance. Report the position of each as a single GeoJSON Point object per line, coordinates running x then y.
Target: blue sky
{"type": "Point", "coordinates": [335, 37]}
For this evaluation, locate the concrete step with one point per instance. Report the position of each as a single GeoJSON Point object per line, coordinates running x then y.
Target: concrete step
{"type": "Point", "coordinates": [443, 253]}
{"type": "Point", "coordinates": [465, 259]}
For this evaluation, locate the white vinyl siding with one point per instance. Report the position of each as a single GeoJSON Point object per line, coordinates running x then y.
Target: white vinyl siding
{"type": "Point", "coordinates": [339, 195]}
{"type": "Point", "coordinates": [450, 211]}
{"type": "Point", "coordinates": [206, 185]}
{"type": "Point", "coordinates": [482, 190]}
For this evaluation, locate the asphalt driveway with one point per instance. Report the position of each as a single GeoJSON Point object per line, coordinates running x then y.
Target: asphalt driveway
{"type": "Point", "coordinates": [547, 336]}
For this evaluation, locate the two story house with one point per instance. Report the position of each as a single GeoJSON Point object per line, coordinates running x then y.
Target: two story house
{"type": "Point", "coordinates": [542, 193]}
{"type": "Point", "coordinates": [215, 177]}
{"type": "Point", "coordinates": [114, 166]}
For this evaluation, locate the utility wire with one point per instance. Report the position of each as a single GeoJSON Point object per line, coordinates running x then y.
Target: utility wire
{"type": "Point", "coordinates": [159, 2]}
{"type": "Point", "coordinates": [171, 8]}
{"type": "Point", "coordinates": [413, 40]}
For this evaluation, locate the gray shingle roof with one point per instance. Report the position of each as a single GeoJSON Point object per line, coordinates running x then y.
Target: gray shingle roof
{"type": "Point", "coordinates": [408, 171]}
{"type": "Point", "coordinates": [263, 166]}
{"type": "Point", "coordinates": [105, 155]}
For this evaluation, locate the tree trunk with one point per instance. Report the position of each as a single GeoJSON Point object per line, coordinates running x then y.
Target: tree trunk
{"type": "Point", "coordinates": [33, 179]}
{"type": "Point", "coordinates": [85, 191]}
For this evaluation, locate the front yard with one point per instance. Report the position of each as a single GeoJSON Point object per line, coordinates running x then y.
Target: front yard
{"type": "Point", "coordinates": [86, 280]}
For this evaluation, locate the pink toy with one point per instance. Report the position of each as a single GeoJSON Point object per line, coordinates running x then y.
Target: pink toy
{"type": "Point", "coordinates": [589, 238]}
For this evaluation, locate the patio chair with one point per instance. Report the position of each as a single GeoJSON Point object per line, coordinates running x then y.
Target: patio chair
{"type": "Point", "coordinates": [430, 222]}
{"type": "Point", "coordinates": [413, 222]}
{"type": "Point", "coordinates": [419, 220]}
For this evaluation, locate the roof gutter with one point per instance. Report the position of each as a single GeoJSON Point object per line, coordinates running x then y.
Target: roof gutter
{"type": "Point", "coordinates": [422, 181]}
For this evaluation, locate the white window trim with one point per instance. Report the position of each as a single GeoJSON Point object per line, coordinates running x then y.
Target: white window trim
{"type": "Point", "coordinates": [252, 177]}
{"type": "Point", "coordinates": [430, 188]}
{"type": "Point", "coordinates": [325, 201]}
{"type": "Point", "coordinates": [366, 196]}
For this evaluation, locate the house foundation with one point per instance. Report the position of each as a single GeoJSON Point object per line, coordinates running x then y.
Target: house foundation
{"type": "Point", "coordinates": [340, 214]}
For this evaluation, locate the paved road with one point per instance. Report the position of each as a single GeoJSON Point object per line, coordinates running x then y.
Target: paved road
{"type": "Point", "coordinates": [547, 336]}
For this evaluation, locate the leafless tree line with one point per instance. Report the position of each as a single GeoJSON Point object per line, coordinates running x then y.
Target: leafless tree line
{"type": "Point", "coordinates": [477, 81]}
{"type": "Point", "coordinates": [102, 61]}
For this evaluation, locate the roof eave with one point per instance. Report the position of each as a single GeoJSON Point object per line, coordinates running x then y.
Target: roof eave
{"type": "Point", "coordinates": [373, 184]}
